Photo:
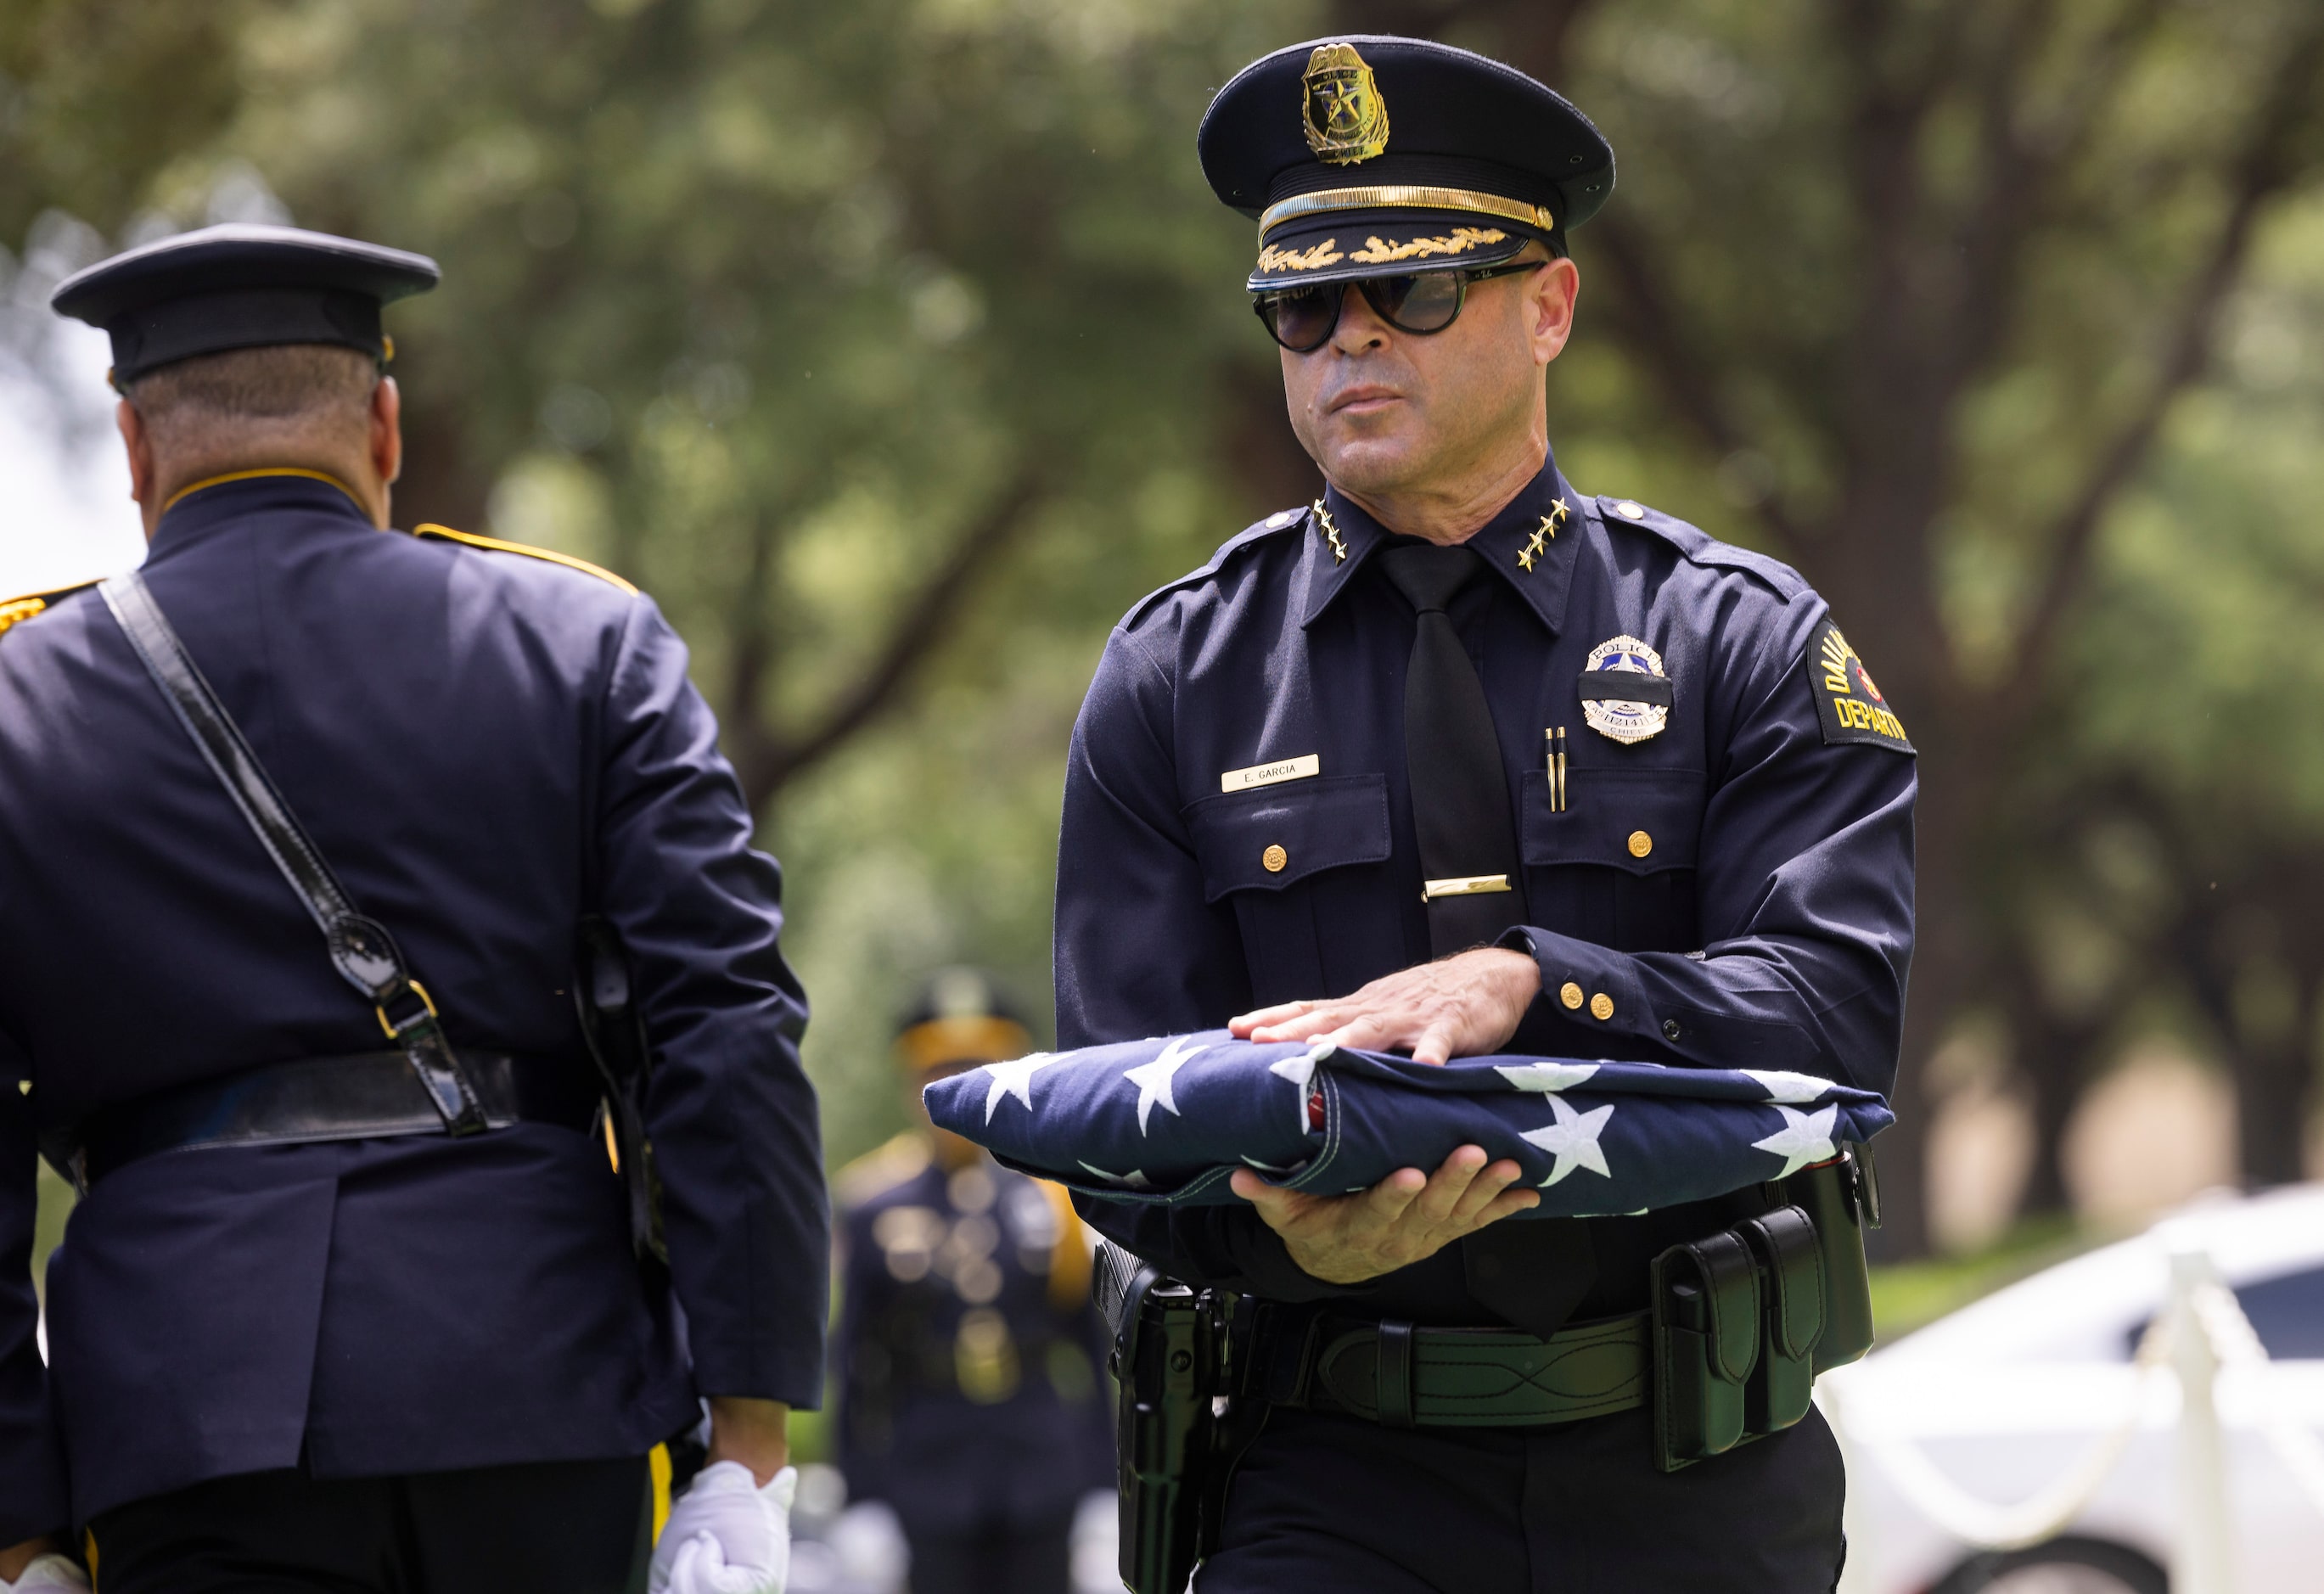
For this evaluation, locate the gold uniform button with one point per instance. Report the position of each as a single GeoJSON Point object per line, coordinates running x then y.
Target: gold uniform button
{"type": "Point", "coordinates": [1641, 843]}
{"type": "Point", "coordinates": [1631, 511]}
{"type": "Point", "coordinates": [1602, 1006]}
{"type": "Point", "coordinates": [1570, 994]}
{"type": "Point", "coordinates": [1275, 858]}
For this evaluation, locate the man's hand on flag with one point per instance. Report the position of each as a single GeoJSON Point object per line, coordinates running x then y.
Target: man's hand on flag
{"type": "Point", "coordinates": [1464, 1006]}
{"type": "Point", "coordinates": [1406, 1217]}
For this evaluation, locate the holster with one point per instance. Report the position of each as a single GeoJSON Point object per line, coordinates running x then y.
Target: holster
{"type": "Point", "coordinates": [1172, 1354]}
{"type": "Point", "coordinates": [604, 997]}
{"type": "Point", "coordinates": [1746, 1318]}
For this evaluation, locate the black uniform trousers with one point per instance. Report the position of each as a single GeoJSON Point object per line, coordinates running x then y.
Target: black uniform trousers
{"type": "Point", "coordinates": [1004, 1559]}
{"type": "Point", "coordinates": [1334, 1502]}
{"type": "Point", "coordinates": [576, 1528]}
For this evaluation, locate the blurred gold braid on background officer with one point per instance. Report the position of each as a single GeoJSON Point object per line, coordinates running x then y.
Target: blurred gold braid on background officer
{"type": "Point", "coordinates": [967, 1353]}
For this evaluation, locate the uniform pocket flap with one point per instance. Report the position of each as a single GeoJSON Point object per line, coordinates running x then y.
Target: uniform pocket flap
{"type": "Point", "coordinates": [1641, 820]}
{"type": "Point", "coordinates": [1267, 839]}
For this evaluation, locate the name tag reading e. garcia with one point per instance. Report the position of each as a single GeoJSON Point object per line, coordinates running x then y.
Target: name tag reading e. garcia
{"type": "Point", "coordinates": [1273, 774]}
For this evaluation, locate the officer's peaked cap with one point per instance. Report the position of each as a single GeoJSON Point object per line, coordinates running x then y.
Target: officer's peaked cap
{"type": "Point", "coordinates": [961, 1016]}
{"type": "Point", "coordinates": [241, 286]}
{"type": "Point", "coordinates": [1369, 154]}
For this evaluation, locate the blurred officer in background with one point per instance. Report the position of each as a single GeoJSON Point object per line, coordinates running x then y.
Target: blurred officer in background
{"type": "Point", "coordinates": [1459, 759]}
{"type": "Point", "coordinates": [971, 1394]}
{"type": "Point", "coordinates": [353, 1299]}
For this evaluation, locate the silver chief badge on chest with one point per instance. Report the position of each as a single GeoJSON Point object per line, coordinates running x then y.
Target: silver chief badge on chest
{"type": "Point", "coordinates": [1631, 711]}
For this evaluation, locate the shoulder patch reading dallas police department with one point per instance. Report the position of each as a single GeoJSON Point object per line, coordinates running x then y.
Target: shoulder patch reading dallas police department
{"type": "Point", "coordinates": [1847, 703]}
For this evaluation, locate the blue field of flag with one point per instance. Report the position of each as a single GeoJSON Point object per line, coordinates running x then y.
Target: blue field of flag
{"type": "Point", "coordinates": [1167, 1121]}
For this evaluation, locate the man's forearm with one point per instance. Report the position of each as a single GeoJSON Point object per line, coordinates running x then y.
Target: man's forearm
{"type": "Point", "coordinates": [755, 1433]}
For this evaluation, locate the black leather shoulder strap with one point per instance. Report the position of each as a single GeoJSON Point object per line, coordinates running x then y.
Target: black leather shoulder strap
{"type": "Point", "coordinates": [361, 949]}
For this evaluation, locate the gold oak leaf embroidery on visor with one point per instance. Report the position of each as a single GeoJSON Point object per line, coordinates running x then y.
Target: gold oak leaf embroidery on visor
{"type": "Point", "coordinates": [1462, 240]}
{"type": "Point", "coordinates": [1314, 258]}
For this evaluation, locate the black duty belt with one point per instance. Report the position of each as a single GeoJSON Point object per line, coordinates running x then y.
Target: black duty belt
{"type": "Point", "coordinates": [1401, 1376]}
{"type": "Point", "coordinates": [370, 1095]}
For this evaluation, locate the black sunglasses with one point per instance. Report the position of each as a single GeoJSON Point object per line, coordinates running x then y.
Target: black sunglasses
{"type": "Point", "coordinates": [1303, 320]}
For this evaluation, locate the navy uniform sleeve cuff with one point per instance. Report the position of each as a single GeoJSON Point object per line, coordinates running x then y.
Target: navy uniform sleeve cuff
{"type": "Point", "coordinates": [1586, 990]}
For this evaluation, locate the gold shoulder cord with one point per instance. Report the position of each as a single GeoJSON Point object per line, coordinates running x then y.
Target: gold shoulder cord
{"type": "Point", "coordinates": [14, 611]}
{"type": "Point", "coordinates": [494, 544]}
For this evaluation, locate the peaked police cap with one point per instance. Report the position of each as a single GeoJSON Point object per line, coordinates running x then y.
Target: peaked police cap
{"type": "Point", "coordinates": [240, 286]}
{"type": "Point", "coordinates": [1369, 154]}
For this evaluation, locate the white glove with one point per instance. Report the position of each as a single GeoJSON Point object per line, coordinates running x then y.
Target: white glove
{"type": "Point", "coordinates": [727, 1536]}
{"type": "Point", "coordinates": [47, 1572]}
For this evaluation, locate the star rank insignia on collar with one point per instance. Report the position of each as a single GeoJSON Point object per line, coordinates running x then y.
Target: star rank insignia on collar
{"type": "Point", "coordinates": [1330, 533]}
{"type": "Point", "coordinates": [1538, 544]}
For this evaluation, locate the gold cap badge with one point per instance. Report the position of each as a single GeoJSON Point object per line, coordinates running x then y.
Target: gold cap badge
{"type": "Point", "coordinates": [1346, 119]}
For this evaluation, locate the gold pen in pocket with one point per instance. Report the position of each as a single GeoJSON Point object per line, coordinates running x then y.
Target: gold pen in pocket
{"type": "Point", "coordinates": [1555, 769]}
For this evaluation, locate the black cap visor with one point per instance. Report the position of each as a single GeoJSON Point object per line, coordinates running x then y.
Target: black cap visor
{"type": "Point", "coordinates": [240, 287]}
{"type": "Point", "coordinates": [1342, 246]}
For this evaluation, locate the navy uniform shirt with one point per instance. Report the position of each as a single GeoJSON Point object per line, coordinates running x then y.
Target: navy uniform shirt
{"type": "Point", "coordinates": [968, 1351]}
{"type": "Point", "coordinates": [471, 737]}
{"type": "Point", "coordinates": [1735, 891]}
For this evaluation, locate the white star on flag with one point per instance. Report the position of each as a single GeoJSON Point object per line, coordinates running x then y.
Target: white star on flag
{"type": "Point", "coordinates": [1154, 1079]}
{"type": "Point", "coordinates": [1547, 1077]}
{"type": "Point", "coordinates": [1014, 1079]}
{"type": "Point", "coordinates": [1300, 1071]}
{"type": "Point", "coordinates": [1572, 1140]}
{"type": "Point", "coordinates": [1132, 1180]}
{"type": "Point", "coordinates": [1805, 1138]}
{"type": "Point", "coordinates": [1782, 1085]}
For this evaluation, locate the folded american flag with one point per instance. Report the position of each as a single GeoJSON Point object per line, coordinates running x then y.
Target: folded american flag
{"type": "Point", "coordinates": [1165, 1121]}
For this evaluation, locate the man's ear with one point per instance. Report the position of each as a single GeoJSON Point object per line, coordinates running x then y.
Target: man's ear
{"type": "Point", "coordinates": [1550, 308]}
{"type": "Point", "coordinates": [387, 429]}
{"type": "Point", "coordinates": [139, 444]}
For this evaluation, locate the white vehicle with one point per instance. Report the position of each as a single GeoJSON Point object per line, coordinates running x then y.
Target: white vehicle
{"type": "Point", "coordinates": [2005, 1398]}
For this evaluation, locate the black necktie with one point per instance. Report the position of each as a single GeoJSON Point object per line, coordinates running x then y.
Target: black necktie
{"type": "Point", "coordinates": [1460, 791]}
{"type": "Point", "coordinates": [1531, 1272]}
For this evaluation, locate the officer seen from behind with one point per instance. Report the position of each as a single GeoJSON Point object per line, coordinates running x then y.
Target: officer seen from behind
{"type": "Point", "coordinates": [1459, 759]}
{"type": "Point", "coordinates": [349, 880]}
{"type": "Point", "coordinates": [971, 1399]}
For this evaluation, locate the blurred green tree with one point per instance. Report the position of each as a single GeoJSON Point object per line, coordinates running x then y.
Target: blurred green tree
{"type": "Point", "coordinates": [896, 348]}
{"type": "Point", "coordinates": [1904, 293]}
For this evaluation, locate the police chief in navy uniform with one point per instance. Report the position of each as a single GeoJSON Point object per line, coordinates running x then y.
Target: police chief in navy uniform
{"type": "Point", "coordinates": [1459, 758]}
{"type": "Point", "coordinates": [421, 1361]}
{"type": "Point", "coordinates": [968, 1351]}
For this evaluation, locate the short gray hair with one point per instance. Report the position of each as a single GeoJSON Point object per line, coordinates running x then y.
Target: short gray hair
{"type": "Point", "coordinates": [272, 394]}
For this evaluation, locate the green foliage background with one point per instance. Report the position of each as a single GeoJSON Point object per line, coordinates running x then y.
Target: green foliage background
{"type": "Point", "coordinates": [777, 306]}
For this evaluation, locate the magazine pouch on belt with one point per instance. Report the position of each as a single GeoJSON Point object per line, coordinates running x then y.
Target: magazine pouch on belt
{"type": "Point", "coordinates": [1842, 1199]}
{"type": "Point", "coordinates": [1791, 1316]}
{"type": "Point", "coordinates": [1706, 1330]}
